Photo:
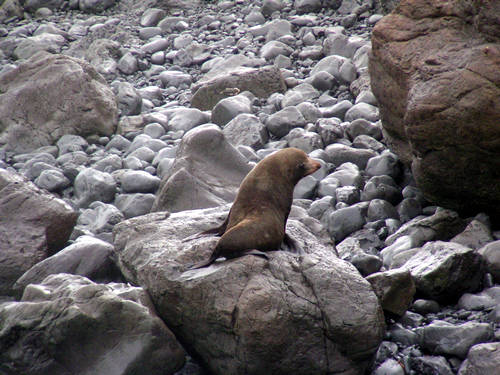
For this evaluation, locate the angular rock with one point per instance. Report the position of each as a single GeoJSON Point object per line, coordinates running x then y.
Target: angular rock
{"type": "Point", "coordinates": [70, 325]}
{"type": "Point", "coordinates": [99, 218]}
{"type": "Point", "coordinates": [475, 235]}
{"type": "Point", "coordinates": [59, 95]}
{"type": "Point", "coordinates": [207, 172]}
{"type": "Point", "coordinates": [33, 226]}
{"type": "Point", "coordinates": [437, 84]}
{"type": "Point", "coordinates": [395, 290]}
{"type": "Point", "coordinates": [210, 308]}
{"type": "Point", "coordinates": [445, 270]}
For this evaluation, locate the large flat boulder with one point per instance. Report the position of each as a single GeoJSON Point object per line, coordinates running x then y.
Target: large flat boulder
{"type": "Point", "coordinates": [49, 96]}
{"type": "Point", "coordinates": [311, 314]}
{"type": "Point", "coordinates": [435, 70]}
{"type": "Point", "coordinates": [33, 225]}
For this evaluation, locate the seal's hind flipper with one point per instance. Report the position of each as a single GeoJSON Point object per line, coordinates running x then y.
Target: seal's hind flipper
{"type": "Point", "coordinates": [292, 245]}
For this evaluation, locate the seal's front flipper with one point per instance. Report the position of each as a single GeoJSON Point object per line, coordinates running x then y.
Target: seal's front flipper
{"type": "Point", "coordinates": [292, 245]}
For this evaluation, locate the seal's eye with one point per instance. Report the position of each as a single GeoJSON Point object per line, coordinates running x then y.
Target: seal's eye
{"type": "Point", "coordinates": [302, 165]}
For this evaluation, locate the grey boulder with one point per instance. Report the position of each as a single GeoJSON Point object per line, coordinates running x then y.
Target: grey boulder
{"type": "Point", "coordinates": [311, 314]}
{"type": "Point", "coordinates": [69, 325]}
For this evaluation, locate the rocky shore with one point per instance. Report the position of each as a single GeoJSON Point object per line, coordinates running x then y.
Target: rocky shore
{"type": "Point", "coordinates": [127, 126]}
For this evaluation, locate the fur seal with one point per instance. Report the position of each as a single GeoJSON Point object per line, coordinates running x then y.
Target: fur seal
{"type": "Point", "coordinates": [257, 219]}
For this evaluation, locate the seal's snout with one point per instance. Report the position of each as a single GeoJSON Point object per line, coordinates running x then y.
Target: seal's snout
{"type": "Point", "coordinates": [312, 166]}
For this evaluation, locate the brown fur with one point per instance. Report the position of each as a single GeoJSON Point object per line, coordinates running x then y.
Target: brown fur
{"type": "Point", "coordinates": [257, 219]}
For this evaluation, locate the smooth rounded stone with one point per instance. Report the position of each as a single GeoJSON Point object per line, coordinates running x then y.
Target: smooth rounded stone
{"type": "Point", "coordinates": [323, 81]}
{"type": "Point", "coordinates": [186, 119]}
{"type": "Point", "coordinates": [326, 100]}
{"type": "Point", "coordinates": [441, 337]}
{"type": "Point", "coordinates": [475, 235]}
{"type": "Point", "coordinates": [330, 130]}
{"type": "Point", "coordinates": [491, 256]}
{"type": "Point", "coordinates": [255, 17]}
{"type": "Point", "coordinates": [337, 110]}
{"type": "Point", "coordinates": [175, 78]}
{"type": "Point", "coordinates": [281, 122]}
{"type": "Point", "coordinates": [310, 112]}
{"type": "Point", "coordinates": [327, 187]}
{"type": "Point", "coordinates": [348, 174]}
{"type": "Point", "coordinates": [86, 328]}
{"type": "Point", "coordinates": [138, 182]}
{"type": "Point", "coordinates": [146, 33]}
{"type": "Point", "coordinates": [305, 188]}
{"type": "Point", "coordinates": [347, 194]}
{"type": "Point", "coordinates": [132, 205]}
{"type": "Point", "coordinates": [381, 187]}
{"type": "Point", "coordinates": [128, 64]}
{"type": "Point", "coordinates": [320, 206]}
{"type": "Point", "coordinates": [108, 164]}
{"type": "Point", "coordinates": [487, 299]}
{"type": "Point", "coordinates": [445, 270]}
{"type": "Point", "coordinates": [155, 46]}
{"type": "Point", "coordinates": [363, 127]}
{"type": "Point", "coordinates": [366, 264]}
{"type": "Point", "coordinates": [482, 359]}
{"type": "Point", "coordinates": [182, 41]}
{"type": "Point", "coordinates": [143, 153]}
{"type": "Point", "coordinates": [92, 185]}
{"type": "Point", "coordinates": [270, 6]}
{"type": "Point", "coordinates": [342, 45]}
{"type": "Point", "coordinates": [304, 140]}
{"type": "Point", "coordinates": [87, 256]}
{"type": "Point", "coordinates": [164, 166]}
{"type": "Point", "coordinates": [362, 111]}
{"type": "Point", "coordinates": [34, 170]}
{"type": "Point", "coordinates": [154, 130]}
{"type": "Point", "coordinates": [70, 143]}
{"type": "Point", "coordinates": [52, 180]}
{"type": "Point", "coordinates": [99, 218]}
{"type": "Point", "coordinates": [390, 367]}
{"type": "Point", "coordinates": [152, 16]}
{"type": "Point", "coordinates": [299, 94]}
{"type": "Point", "coordinates": [307, 6]}
{"type": "Point", "coordinates": [133, 162]}
{"type": "Point", "coordinates": [274, 48]}
{"type": "Point", "coordinates": [403, 336]}
{"type": "Point", "coordinates": [118, 142]}
{"type": "Point", "coordinates": [76, 157]}
{"type": "Point", "coordinates": [228, 108]}
{"type": "Point", "coordinates": [129, 99]}
{"type": "Point", "coordinates": [374, 18]}
{"type": "Point", "coordinates": [367, 142]}
{"type": "Point", "coordinates": [394, 288]}
{"type": "Point", "coordinates": [409, 208]}
{"type": "Point", "coordinates": [167, 152]}
{"type": "Point", "coordinates": [246, 129]}
{"type": "Point", "coordinates": [144, 140]}
{"type": "Point", "coordinates": [385, 164]}
{"type": "Point", "coordinates": [338, 66]}
{"type": "Point", "coordinates": [340, 154]}
{"type": "Point", "coordinates": [345, 221]}
{"type": "Point", "coordinates": [283, 62]}
{"type": "Point", "coordinates": [366, 96]}
{"type": "Point", "coordinates": [379, 209]}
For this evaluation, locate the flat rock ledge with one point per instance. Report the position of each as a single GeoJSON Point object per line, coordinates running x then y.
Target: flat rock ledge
{"type": "Point", "coordinates": [311, 313]}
